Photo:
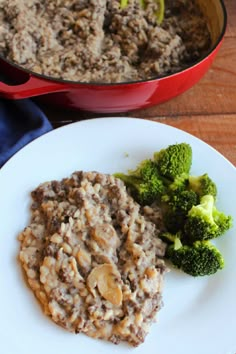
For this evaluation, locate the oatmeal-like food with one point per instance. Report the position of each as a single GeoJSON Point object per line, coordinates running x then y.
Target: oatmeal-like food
{"type": "Point", "coordinates": [98, 41]}
{"type": "Point", "coordinates": [92, 259]}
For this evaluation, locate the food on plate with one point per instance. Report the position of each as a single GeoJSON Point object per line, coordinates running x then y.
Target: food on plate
{"type": "Point", "coordinates": [188, 203]}
{"type": "Point", "coordinates": [93, 257]}
{"type": "Point", "coordinates": [105, 41]}
{"type": "Point", "coordinates": [96, 248]}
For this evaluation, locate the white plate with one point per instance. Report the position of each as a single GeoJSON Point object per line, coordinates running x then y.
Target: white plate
{"type": "Point", "coordinates": [199, 315]}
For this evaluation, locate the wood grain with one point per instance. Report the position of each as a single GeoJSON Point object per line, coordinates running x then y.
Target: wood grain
{"type": "Point", "coordinates": [231, 11]}
{"type": "Point", "coordinates": [208, 110]}
{"type": "Point", "coordinates": [211, 130]}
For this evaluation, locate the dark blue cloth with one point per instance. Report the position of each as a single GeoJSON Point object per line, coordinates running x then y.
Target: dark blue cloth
{"type": "Point", "coordinates": [21, 121]}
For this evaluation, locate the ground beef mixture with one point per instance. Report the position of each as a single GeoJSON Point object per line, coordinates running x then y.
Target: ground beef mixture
{"type": "Point", "coordinates": [97, 41]}
{"type": "Point", "coordinates": [93, 258]}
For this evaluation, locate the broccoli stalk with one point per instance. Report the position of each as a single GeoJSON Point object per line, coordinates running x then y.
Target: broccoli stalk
{"type": "Point", "coordinates": [198, 259]}
{"type": "Point", "coordinates": [159, 14]}
{"type": "Point", "coordinates": [123, 3]}
{"type": "Point", "coordinates": [161, 11]}
{"type": "Point", "coordinates": [205, 221]}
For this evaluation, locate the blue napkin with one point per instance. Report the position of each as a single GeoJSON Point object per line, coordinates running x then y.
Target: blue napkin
{"type": "Point", "coordinates": [21, 121]}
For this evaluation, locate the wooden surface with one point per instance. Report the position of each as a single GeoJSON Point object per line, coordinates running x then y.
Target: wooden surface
{"type": "Point", "coordinates": [207, 111]}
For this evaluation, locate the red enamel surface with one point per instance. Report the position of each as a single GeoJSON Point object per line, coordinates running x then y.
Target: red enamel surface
{"type": "Point", "coordinates": [104, 98]}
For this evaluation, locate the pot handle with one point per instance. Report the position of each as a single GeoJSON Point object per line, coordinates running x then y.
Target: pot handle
{"type": "Point", "coordinates": [34, 86]}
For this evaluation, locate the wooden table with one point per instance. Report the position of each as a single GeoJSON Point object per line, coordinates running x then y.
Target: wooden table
{"type": "Point", "coordinates": [208, 110]}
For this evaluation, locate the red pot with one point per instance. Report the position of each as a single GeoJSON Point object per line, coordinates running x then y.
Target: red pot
{"type": "Point", "coordinates": [111, 98]}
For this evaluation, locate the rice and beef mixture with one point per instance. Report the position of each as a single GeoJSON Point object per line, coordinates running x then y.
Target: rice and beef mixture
{"type": "Point", "coordinates": [98, 41]}
{"type": "Point", "coordinates": [93, 258]}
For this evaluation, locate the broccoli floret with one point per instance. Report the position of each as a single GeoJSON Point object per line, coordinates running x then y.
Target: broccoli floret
{"type": "Point", "coordinates": [205, 221]}
{"type": "Point", "coordinates": [198, 259]}
{"type": "Point", "coordinates": [183, 201]}
{"type": "Point", "coordinates": [146, 169]}
{"type": "Point", "coordinates": [224, 222]}
{"type": "Point", "coordinates": [144, 192]}
{"type": "Point", "coordinates": [174, 160]}
{"type": "Point", "coordinates": [145, 184]}
{"type": "Point", "coordinates": [173, 221]}
{"type": "Point", "coordinates": [177, 208]}
{"type": "Point", "coordinates": [203, 185]}
{"type": "Point", "coordinates": [180, 183]}
{"type": "Point", "coordinates": [177, 201]}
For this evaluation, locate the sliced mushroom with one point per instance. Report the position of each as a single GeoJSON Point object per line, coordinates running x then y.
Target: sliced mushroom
{"type": "Point", "coordinates": [107, 279]}
{"type": "Point", "coordinates": [106, 236]}
{"type": "Point", "coordinates": [83, 258]}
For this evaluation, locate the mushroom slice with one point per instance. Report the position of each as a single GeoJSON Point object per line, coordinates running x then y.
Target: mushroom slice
{"type": "Point", "coordinates": [108, 281]}
{"type": "Point", "coordinates": [106, 237]}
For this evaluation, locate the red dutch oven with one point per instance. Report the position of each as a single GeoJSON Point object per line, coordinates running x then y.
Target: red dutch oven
{"type": "Point", "coordinates": [122, 97]}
